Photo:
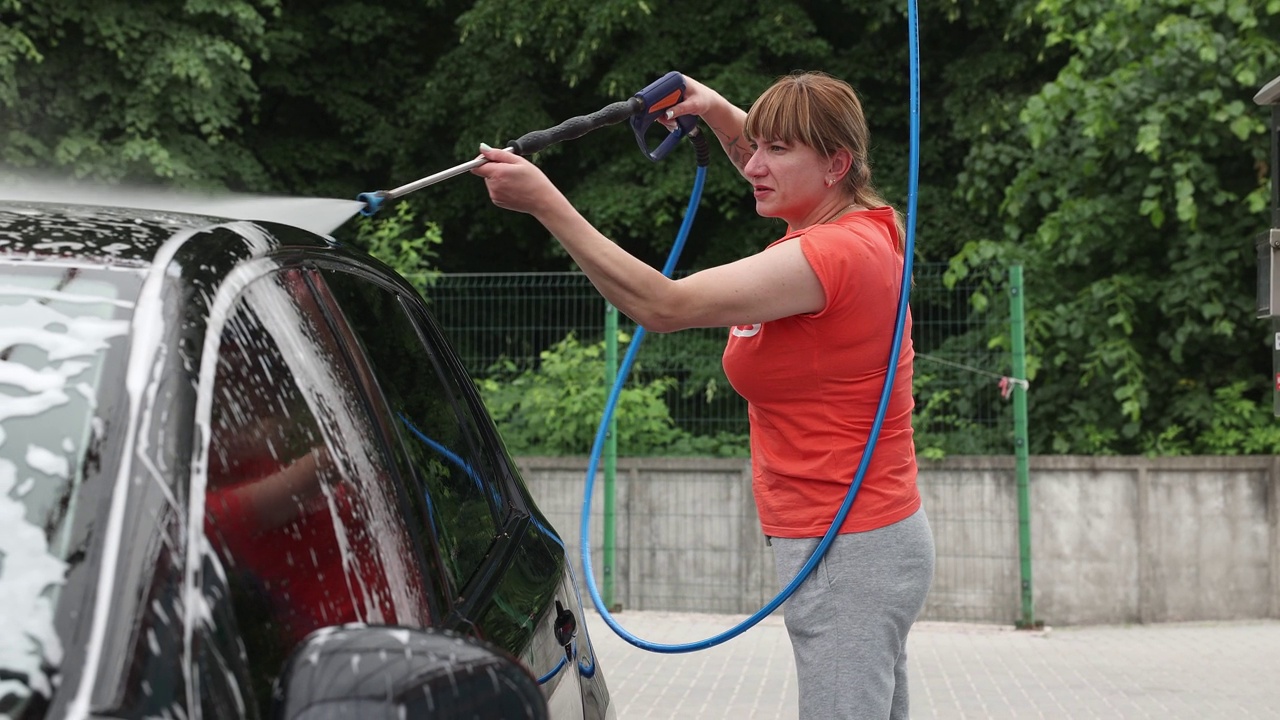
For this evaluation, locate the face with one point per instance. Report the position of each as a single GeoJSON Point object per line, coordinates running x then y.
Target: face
{"type": "Point", "coordinates": [789, 181]}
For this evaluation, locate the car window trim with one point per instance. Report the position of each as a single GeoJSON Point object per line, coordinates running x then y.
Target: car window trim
{"type": "Point", "coordinates": [374, 404]}
{"type": "Point", "coordinates": [394, 439]}
{"type": "Point", "coordinates": [516, 516]}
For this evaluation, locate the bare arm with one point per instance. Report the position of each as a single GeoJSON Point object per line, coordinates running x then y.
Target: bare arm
{"type": "Point", "coordinates": [727, 125]}
{"type": "Point", "coordinates": [776, 283]}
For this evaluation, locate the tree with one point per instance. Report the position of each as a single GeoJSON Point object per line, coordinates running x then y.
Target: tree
{"type": "Point", "coordinates": [1108, 145]}
{"type": "Point", "coordinates": [520, 65]}
{"type": "Point", "coordinates": [337, 97]}
{"type": "Point", "coordinates": [1131, 189]}
{"type": "Point", "coordinates": [555, 409]}
{"type": "Point", "coordinates": [127, 91]}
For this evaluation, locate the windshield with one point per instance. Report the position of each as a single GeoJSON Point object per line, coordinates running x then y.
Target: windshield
{"type": "Point", "coordinates": [59, 327]}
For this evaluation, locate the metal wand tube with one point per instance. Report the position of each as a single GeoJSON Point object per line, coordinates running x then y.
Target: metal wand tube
{"type": "Point", "coordinates": [433, 179]}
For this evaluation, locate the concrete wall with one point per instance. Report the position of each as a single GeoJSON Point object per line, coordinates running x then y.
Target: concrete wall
{"type": "Point", "coordinates": [1114, 539]}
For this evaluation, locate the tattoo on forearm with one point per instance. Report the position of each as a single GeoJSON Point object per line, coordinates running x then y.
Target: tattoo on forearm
{"type": "Point", "coordinates": [737, 148]}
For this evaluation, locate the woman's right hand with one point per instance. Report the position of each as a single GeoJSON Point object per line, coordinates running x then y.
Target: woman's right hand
{"type": "Point", "coordinates": [515, 183]}
{"type": "Point", "coordinates": [698, 100]}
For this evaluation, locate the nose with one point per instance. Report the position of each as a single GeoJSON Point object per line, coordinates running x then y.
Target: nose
{"type": "Point", "coordinates": [755, 165]}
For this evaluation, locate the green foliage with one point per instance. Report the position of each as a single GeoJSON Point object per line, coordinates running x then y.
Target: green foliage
{"type": "Point", "coordinates": [1131, 189]}
{"type": "Point", "coordinates": [1227, 421]}
{"type": "Point", "coordinates": [951, 419]}
{"type": "Point", "coordinates": [397, 241]}
{"type": "Point", "coordinates": [692, 359]}
{"type": "Point", "coordinates": [132, 91]}
{"type": "Point", "coordinates": [556, 408]}
{"type": "Point", "coordinates": [1111, 147]}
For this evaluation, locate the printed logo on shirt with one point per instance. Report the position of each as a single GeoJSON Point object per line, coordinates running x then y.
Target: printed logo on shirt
{"type": "Point", "coordinates": [746, 331]}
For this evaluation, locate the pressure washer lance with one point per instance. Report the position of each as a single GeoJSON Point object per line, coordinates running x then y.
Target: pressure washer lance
{"type": "Point", "coordinates": [642, 109]}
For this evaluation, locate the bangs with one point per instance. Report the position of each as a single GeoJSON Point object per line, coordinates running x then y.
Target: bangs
{"type": "Point", "coordinates": [785, 112]}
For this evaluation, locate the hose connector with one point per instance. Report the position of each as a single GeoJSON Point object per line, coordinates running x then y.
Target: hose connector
{"type": "Point", "coordinates": [700, 146]}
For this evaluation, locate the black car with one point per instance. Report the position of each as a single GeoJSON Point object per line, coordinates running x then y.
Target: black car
{"type": "Point", "coordinates": [242, 474]}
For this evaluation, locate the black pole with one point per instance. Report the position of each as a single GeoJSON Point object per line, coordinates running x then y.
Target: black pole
{"type": "Point", "coordinates": [1275, 166]}
{"type": "Point", "coordinates": [1266, 243]}
{"type": "Point", "coordinates": [1270, 95]}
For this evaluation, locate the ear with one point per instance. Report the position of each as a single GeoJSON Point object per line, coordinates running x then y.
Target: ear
{"type": "Point", "coordinates": [839, 163]}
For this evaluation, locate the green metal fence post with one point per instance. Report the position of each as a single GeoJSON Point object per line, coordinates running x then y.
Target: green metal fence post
{"type": "Point", "coordinates": [1018, 341]}
{"type": "Point", "coordinates": [610, 447]}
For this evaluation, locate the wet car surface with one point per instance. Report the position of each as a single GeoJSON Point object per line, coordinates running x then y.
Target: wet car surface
{"type": "Point", "coordinates": [226, 445]}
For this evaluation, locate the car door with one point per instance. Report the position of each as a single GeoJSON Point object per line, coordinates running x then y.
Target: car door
{"type": "Point", "coordinates": [504, 568]}
{"type": "Point", "coordinates": [303, 507]}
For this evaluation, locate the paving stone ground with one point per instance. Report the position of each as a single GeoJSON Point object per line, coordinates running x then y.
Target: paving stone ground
{"type": "Point", "coordinates": [1196, 671]}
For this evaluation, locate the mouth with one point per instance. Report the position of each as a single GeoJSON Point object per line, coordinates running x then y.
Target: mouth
{"type": "Point", "coordinates": [761, 191]}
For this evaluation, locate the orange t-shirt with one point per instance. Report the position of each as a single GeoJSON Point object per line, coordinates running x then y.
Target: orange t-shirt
{"type": "Point", "coordinates": [813, 384]}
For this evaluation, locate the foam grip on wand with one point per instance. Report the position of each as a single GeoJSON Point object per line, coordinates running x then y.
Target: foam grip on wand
{"type": "Point", "coordinates": [576, 127]}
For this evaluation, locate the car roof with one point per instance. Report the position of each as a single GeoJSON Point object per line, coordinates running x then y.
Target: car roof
{"type": "Point", "coordinates": [113, 233]}
{"type": "Point", "coordinates": [195, 250]}
{"type": "Point", "coordinates": [92, 234]}
{"type": "Point", "coordinates": [316, 214]}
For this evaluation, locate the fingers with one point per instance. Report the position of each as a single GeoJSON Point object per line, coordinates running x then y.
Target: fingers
{"type": "Point", "coordinates": [498, 155]}
{"type": "Point", "coordinates": [513, 183]}
{"type": "Point", "coordinates": [496, 158]}
{"type": "Point", "coordinates": [692, 104]}
{"type": "Point", "coordinates": [698, 100]}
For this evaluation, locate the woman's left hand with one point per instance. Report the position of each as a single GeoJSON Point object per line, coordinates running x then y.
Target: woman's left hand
{"type": "Point", "coordinates": [515, 183]}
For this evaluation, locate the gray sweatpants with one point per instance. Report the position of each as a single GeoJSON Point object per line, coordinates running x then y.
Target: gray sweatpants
{"type": "Point", "coordinates": [848, 620]}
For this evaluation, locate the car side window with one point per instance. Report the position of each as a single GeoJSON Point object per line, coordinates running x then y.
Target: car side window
{"type": "Point", "coordinates": [440, 432]}
{"type": "Point", "coordinates": [301, 507]}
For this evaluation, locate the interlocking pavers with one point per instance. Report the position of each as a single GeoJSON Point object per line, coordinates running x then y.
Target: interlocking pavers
{"type": "Point", "coordinates": [1199, 671]}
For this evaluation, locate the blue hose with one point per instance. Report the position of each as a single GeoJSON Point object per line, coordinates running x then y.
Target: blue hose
{"type": "Point", "coordinates": [891, 372]}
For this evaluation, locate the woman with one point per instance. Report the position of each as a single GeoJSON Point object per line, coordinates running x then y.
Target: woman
{"type": "Point", "coordinates": [811, 322]}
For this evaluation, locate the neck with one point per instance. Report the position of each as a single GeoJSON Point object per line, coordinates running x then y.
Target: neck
{"type": "Point", "coordinates": [830, 212]}
{"type": "Point", "coordinates": [846, 209]}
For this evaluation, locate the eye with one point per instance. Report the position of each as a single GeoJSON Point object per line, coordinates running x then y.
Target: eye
{"type": "Point", "coordinates": [770, 146]}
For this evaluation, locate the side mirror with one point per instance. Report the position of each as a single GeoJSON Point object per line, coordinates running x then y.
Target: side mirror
{"type": "Point", "coordinates": [358, 671]}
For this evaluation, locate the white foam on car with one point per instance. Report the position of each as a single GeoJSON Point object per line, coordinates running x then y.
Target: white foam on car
{"type": "Point", "coordinates": [48, 462]}
{"type": "Point", "coordinates": [194, 603]}
{"type": "Point", "coordinates": [321, 391]}
{"type": "Point", "coordinates": [140, 375]}
{"type": "Point", "coordinates": [30, 571]}
{"type": "Point", "coordinates": [319, 215]}
{"type": "Point", "coordinates": [29, 639]}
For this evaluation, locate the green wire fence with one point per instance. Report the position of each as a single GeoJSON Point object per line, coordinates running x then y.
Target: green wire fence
{"type": "Point", "coordinates": [512, 327]}
{"type": "Point", "coordinates": [536, 345]}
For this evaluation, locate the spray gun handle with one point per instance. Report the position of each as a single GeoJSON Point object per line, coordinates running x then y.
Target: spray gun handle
{"type": "Point", "coordinates": [575, 127]}
{"type": "Point", "coordinates": [658, 97]}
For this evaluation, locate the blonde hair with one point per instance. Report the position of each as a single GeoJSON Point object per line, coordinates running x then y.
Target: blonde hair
{"type": "Point", "coordinates": [823, 112]}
